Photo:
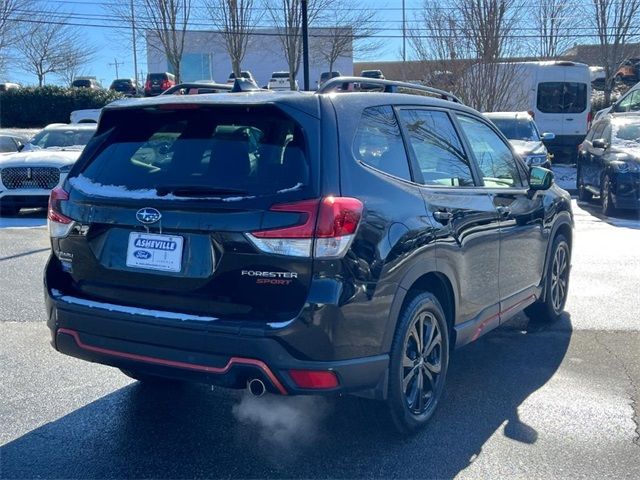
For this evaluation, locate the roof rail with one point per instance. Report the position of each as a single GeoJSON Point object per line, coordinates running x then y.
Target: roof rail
{"type": "Point", "coordinates": [362, 84]}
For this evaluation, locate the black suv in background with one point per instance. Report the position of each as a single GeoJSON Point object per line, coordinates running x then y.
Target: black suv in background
{"type": "Point", "coordinates": [301, 243]}
{"type": "Point", "coordinates": [127, 86]}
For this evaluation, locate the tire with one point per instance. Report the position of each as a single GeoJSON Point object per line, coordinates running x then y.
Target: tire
{"type": "Point", "coordinates": [416, 380]}
{"type": "Point", "coordinates": [584, 195]}
{"type": "Point", "coordinates": [556, 284]}
{"type": "Point", "coordinates": [151, 380]}
{"type": "Point", "coordinates": [8, 208]}
{"type": "Point", "coordinates": [608, 208]}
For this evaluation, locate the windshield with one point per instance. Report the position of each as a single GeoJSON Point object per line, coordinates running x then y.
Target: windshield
{"type": "Point", "coordinates": [210, 153]}
{"type": "Point", "coordinates": [517, 129]}
{"type": "Point", "coordinates": [67, 138]}
{"type": "Point", "coordinates": [626, 134]}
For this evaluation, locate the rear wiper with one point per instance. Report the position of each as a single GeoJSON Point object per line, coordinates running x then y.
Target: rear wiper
{"type": "Point", "coordinates": [196, 190]}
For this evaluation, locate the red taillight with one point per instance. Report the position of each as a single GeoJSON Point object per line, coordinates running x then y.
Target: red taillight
{"type": "Point", "coordinates": [326, 226]}
{"type": "Point", "coordinates": [325, 218]}
{"type": "Point", "coordinates": [147, 85]}
{"type": "Point", "coordinates": [314, 379]}
{"type": "Point", "coordinates": [56, 196]}
{"type": "Point", "coordinates": [165, 84]}
{"type": "Point", "coordinates": [589, 118]}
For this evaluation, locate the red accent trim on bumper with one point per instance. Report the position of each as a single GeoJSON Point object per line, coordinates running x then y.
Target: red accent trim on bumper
{"type": "Point", "coordinates": [172, 363]}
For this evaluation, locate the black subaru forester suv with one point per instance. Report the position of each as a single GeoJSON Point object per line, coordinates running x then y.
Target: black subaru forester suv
{"type": "Point", "coordinates": [301, 243]}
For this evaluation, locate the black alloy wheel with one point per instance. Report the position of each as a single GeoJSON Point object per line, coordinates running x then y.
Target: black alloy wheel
{"type": "Point", "coordinates": [419, 361]}
{"type": "Point", "coordinates": [583, 194]}
{"type": "Point", "coordinates": [550, 307]}
{"type": "Point", "coordinates": [605, 194]}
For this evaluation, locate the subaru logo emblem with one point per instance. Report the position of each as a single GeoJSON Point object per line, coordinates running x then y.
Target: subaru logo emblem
{"type": "Point", "coordinates": [148, 215]}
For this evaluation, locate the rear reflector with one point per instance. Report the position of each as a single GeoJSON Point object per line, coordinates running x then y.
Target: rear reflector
{"type": "Point", "coordinates": [314, 379]}
{"type": "Point", "coordinates": [59, 225]}
{"type": "Point", "coordinates": [329, 223]}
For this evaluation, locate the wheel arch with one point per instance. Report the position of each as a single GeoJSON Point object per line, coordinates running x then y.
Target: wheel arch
{"type": "Point", "coordinates": [420, 280]}
{"type": "Point", "coordinates": [562, 226]}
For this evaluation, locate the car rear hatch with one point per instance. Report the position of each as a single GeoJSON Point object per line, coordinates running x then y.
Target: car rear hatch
{"type": "Point", "coordinates": [164, 198]}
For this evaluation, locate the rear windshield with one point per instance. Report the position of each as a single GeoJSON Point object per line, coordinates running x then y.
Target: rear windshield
{"type": "Point", "coordinates": [280, 75]}
{"type": "Point", "coordinates": [223, 153]}
{"type": "Point", "coordinates": [82, 83]}
{"type": "Point", "coordinates": [157, 76]}
{"type": "Point", "coordinates": [517, 129]}
{"type": "Point", "coordinates": [562, 97]}
{"type": "Point", "coordinates": [122, 84]}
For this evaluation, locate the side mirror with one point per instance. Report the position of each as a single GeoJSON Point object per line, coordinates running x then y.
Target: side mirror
{"type": "Point", "coordinates": [540, 178]}
{"type": "Point", "coordinates": [599, 143]}
{"type": "Point", "coordinates": [548, 136]}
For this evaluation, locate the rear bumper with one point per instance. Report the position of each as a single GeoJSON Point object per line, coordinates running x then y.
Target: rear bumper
{"type": "Point", "coordinates": [195, 350]}
{"type": "Point", "coordinates": [564, 147]}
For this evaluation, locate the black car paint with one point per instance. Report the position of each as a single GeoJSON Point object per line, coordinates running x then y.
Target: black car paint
{"type": "Point", "coordinates": [485, 265]}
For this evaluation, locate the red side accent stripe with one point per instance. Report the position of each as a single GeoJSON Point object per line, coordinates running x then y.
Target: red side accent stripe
{"type": "Point", "coordinates": [173, 363]}
{"type": "Point", "coordinates": [491, 318]}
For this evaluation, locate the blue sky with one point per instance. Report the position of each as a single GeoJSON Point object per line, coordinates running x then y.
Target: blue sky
{"type": "Point", "coordinates": [105, 39]}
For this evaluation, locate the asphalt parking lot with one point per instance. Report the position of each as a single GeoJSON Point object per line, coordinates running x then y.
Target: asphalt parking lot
{"type": "Point", "coordinates": [528, 400]}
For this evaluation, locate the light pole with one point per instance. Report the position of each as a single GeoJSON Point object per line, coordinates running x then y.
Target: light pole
{"type": "Point", "coordinates": [135, 53]}
{"type": "Point", "coordinates": [305, 44]}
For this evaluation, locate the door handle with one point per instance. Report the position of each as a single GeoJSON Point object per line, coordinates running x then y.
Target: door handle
{"type": "Point", "coordinates": [442, 216]}
{"type": "Point", "coordinates": [569, 119]}
{"type": "Point", "coordinates": [503, 211]}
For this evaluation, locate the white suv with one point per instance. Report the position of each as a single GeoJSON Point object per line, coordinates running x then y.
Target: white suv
{"type": "Point", "coordinates": [27, 177]}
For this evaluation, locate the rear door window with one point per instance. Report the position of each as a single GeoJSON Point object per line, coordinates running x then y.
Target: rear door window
{"type": "Point", "coordinates": [378, 142]}
{"type": "Point", "coordinates": [562, 97]}
{"type": "Point", "coordinates": [214, 153]}
{"type": "Point", "coordinates": [436, 148]}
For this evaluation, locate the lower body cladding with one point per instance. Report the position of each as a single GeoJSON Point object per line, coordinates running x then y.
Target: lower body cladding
{"type": "Point", "coordinates": [185, 350]}
{"type": "Point", "coordinates": [625, 191]}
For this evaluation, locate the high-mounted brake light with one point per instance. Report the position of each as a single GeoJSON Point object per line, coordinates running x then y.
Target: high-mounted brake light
{"type": "Point", "coordinates": [326, 227]}
{"type": "Point", "coordinates": [59, 224]}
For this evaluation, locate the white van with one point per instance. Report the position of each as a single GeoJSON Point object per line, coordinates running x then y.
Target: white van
{"type": "Point", "coordinates": [558, 96]}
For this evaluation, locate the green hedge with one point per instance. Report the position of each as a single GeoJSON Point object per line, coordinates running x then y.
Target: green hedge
{"type": "Point", "coordinates": [35, 107]}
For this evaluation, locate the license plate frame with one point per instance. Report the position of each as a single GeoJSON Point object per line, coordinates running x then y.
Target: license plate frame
{"type": "Point", "coordinates": [155, 252]}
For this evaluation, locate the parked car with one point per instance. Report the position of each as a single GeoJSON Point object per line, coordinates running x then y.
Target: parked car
{"type": "Point", "coordinates": [629, 71]}
{"type": "Point", "coordinates": [195, 88]}
{"type": "Point", "coordinates": [127, 86]}
{"type": "Point", "coordinates": [280, 81]}
{"type": "Point", "coordinates": [9, 86]}
{"type": "Point", "coordinates": [522, 132]}
{"type": "Point", "coordinates": [243, 74]}
{"type": "Point", "coordinates": [609, 163]}
{"type": "Point", "coordinates": [11, 144]}
{"type": "Point", "coordinates": [372, 74]}
{"type": "Point", "coordinates": [325, 76]}
{"type": "Point", "coordinates": [301, 244]}
{"type": "Point", "coordinates": [557, 95]}
{"type": "Point", "coordinates": [27, 177]}
{"type": "Point", "coordinates": [157, 83]}
{"type": "Point", "coordinates": [86, 82]}
{"type": "Point", "coordinates": [628, 103]}
{"type": "Point", "coordinates": [88, 115]}
{"type": "Point", "coordinates": [598, 76]}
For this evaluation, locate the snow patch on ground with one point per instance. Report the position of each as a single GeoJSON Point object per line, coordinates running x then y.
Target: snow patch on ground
{"type": "Point", "coordinates": [565, 176]}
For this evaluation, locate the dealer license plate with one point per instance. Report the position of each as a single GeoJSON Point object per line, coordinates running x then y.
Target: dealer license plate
{"type": "Point", "coordinates": [155, 252]}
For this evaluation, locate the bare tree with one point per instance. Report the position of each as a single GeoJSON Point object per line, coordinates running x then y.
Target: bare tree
{"type": "Point", "coordinates": [11, 12]}
{"type": "Point", "coordinates": [286, 15]}
{"type": "Point", "coordinates": [464, 43]}
{"type": "Point", "coordinates": [166, 21]}
{"type": "Point", "coordinates": [348, 25]}
{"type": "Point", "coordinates": [617, 23]}
{"type": "Point", "coordinates": [236, 20]}
{"type": "Point", "coordinates": [48, 47]}
{"type": "Point", "coordinates": [74, 64]}
{"type": "Point", "coordinates": [554, 21]}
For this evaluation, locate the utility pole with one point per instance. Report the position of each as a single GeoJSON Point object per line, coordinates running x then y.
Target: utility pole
{"type": "Point", "coordinates": [133, 38]}
{"type": "Point", "coordinates": [305, 44]}
{"type": "Point", "coordinates": [404, 33]}
{"type": "Point", "coordinates": [116, 64]}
